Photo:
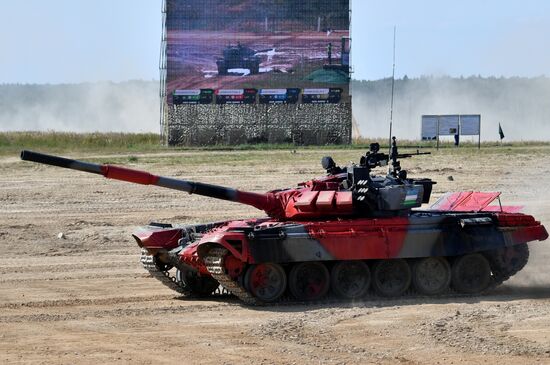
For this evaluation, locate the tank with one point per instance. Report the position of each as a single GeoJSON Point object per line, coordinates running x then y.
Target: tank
{"type": "Point", "coordinates": [238, 56]}
{"type": "Point", "coordinates": [349, 234]}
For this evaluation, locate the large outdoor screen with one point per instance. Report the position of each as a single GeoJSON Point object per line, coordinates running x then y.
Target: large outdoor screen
{"type": "Point", "coordinates": [257, 51]}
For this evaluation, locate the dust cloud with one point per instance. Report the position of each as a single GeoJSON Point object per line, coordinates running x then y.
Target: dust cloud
{"type": "Point", "coordinates": [131, 106]}
{"type": "Point", "coordinates": [520, 105]}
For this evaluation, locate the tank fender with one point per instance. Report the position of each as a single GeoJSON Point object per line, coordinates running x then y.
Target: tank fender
{"type": "Point", "coordinates": [520, 228]}
{"type": "Point", "coordinates": [189, 256]}
{"type": "Point", "coordinates": [152, 237]}
{"type": "Point", "coordinates": [518, 235]}
{"type": "Point", "coordinates": [235, 242]}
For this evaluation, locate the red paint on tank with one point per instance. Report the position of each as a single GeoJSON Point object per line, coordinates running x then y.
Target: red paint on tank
{"type": "Point", "coordinates": [374, 238]}
{"type": "Point", "coordinates": [166, 238]}
{"type": "Point", "coordinates": [129, 175]}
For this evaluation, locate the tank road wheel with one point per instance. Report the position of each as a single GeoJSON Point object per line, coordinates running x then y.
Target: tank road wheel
{"type": "Point", "coordinates": [201, 286]}
{"type": "Point", "coordinates": [350, 279]}
{"type": "Point", "coordinates": [391, 278]}
{"type": "Point", "coordinates": [471, 274]}
{"type": "Point", "coordinates": [431, 275]}
{"type": "Point", "coordinates": [309, 281]}
{"type": "Point", "coordinates": [267, 282]}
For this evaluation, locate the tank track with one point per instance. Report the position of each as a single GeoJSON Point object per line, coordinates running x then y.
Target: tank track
{"type": "Point", "coordinates": [503, 270]}
{"type": "Point", "coordinates": [214, 264]}
{"type": "Point", "coordinates": [149, 263]}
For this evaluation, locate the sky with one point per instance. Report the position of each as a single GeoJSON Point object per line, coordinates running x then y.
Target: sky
{"type": "Point", "coordinates": [69, 41]}
{"type": "Point", "coordinates": [442, 37]}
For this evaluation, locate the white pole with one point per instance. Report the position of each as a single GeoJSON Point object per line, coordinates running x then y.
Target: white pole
{"type": "Point", "coordinates": [392, 88]}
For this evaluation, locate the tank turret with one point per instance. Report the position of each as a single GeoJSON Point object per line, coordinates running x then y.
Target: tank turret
{"type": "Point", "coordinates": [386, 195]}
{"type": "Point", "coordinates": [238, 56]}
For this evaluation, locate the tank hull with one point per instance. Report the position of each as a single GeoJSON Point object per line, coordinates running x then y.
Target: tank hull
{"type": "Point", "coordinates": [241, 247]}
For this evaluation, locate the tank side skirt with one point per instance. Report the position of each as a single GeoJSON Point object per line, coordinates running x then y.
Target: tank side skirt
{"type": "Point", "coordinates": [294, 245]}
{"type": "Point", "coordinates": [451, 239]}
{"type": "Point", "coordinates": [444, 236]}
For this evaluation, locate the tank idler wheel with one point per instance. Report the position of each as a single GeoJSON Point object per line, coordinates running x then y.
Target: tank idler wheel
{"type": "Point", "coordinates": [161, 266]}
{"type": "Point", "coordinates": [391, 278]}
{"type": "Point", "coordinates": [507, 261]}
{"type": "Point", "coordinates": [201, 286]}
{"type": "Point", "coordinates": [309, 281]}
{"type": "Point", "coordinates": [267, 282]}
{"type": "Point", "coordinates": [431, 275]}
{"type": "Point", "coordinates": [471, 274]}
{"type": "Point", "coordinates": [350, 279]}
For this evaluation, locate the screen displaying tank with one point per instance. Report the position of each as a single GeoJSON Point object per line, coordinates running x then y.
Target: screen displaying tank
{"type": "Point", "coordinates": [287, 51]}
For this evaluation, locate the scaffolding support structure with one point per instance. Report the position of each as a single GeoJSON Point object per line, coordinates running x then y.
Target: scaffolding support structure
{"type": "Point", "coordinates": [163, 71]}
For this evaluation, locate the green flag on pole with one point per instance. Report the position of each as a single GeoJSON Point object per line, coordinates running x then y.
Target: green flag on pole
{"type": "Point", "coordinates": [500, 132]}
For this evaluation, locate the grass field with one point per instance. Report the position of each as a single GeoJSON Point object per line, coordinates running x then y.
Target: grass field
{"type": "Point", "coordinates": [11, 143]}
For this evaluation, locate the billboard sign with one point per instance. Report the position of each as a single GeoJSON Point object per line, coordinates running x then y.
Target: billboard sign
{"type": "Point", "coordinates": [322, 96]}
{"type": "Point", "coordinates": [288, 46]}
{"type": "Point", "coordinates": [429, 127]}
{"type": "Point", "coordinates": [279, 96]}
{"type": "Point", "coordinates": [470, 125]}
{"type": "Point", "coordinates": [196, 96]}
{"type": "Point", "coordinates": [434, 126]}
{"type": "Point", "coordinates": [448, 125]}
{"type": "Point", "coordinates": [236, 96]}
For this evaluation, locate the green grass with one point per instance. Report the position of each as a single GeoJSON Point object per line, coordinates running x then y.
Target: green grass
{"type": "Point", "coordinates": [56, 142]}
{"type": "Point", "coordinates": [11, 143]}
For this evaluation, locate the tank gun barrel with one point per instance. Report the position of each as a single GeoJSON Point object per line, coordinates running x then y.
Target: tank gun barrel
{"type": "Point", "coordinates": [259, 201]}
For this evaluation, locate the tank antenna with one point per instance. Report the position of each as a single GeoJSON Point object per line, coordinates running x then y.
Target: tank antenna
{"type": "Point", "coordinates": [392, 91]}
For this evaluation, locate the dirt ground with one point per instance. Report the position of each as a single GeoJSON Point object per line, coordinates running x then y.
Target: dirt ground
{"type": "Point", "coordinates": [85, 298]}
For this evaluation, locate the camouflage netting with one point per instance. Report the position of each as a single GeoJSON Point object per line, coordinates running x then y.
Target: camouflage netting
{"type": "Point", "coordinates": [301, 124]}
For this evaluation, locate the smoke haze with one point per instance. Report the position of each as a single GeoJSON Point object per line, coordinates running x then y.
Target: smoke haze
{"type": "Point", "coordinates": [131, 106]}
{"type": "Point", "coordinates": [520, 105]}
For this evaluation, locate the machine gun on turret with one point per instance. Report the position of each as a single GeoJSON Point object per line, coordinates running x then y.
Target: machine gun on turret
{"type": "Point", "coordinates": [374, 158]}
{"type": "Point", "coordinates": [396, 165]}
